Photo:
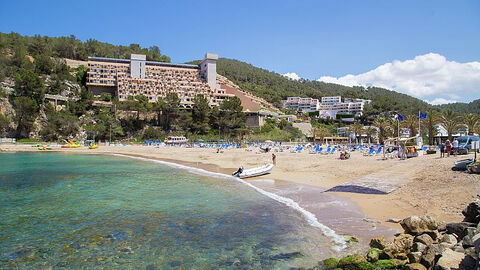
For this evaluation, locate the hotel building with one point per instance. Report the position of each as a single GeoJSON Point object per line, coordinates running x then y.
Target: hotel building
{"type": "Point", "coordinates": [130, 77]}
{"type": "Point", "coordinates": [301, 104]}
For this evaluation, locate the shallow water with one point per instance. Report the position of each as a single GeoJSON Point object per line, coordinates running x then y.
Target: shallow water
{"type": "Point", "coordinates": [85, 211]}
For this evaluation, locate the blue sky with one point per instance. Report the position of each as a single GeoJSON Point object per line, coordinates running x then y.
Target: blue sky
{"type": "Point", "coordinates": [310, 38]}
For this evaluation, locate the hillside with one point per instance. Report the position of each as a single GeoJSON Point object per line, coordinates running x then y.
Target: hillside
{"type": "Point", "coordinates": [274, 87]}
{"type": "Point", "coordinates": [472, 107]}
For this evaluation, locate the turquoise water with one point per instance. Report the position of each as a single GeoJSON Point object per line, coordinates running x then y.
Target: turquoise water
{"type": "Point", "coordinates": [88, 211]}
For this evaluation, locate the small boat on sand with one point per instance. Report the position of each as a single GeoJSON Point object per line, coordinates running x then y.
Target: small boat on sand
{"type": "Point", "coordinates": [461, 165]}
{"type": "Point", "coordinates": [245, 173]}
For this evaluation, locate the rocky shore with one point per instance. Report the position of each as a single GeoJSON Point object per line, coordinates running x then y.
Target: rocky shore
{"type": "Point", "coordinates": [425, 244]}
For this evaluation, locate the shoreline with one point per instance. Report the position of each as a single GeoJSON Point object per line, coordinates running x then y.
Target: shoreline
{"type": "Point", "coordinates": [375, 208]}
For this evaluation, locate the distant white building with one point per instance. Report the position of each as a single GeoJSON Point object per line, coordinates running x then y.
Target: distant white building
{"type": "Point", "coordinates": [334, 105]}
{"type": "Point", "coordinates": [301, 104]}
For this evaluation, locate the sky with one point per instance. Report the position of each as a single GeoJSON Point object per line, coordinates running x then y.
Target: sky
{"type": "Point", "coordinates": [427, 49]}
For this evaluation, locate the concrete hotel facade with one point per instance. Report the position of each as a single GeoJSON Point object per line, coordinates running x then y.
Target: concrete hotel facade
{"type": "Point", "coordinates": [301, 104]}
{"type": "Point", "coordinates": [130, 77]}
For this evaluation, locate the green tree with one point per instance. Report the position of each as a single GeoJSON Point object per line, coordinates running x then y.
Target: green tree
{"type": "Point", "coordinates": [231, 116]}
{"type": "Point", "coordinates": [383, 126]}
{"type": "Point", "coordinates": [29, 84]}
{"type": "Point", "coordinates": [433, 118]}
{"type": "Point", "coordinates": [4, 125]}
{"type": "Point", "coordinates": [356, 129]}
{"type": "Point", "coordinates": [200, 113]}
{"type": "Point", "coordinates": [43, 64]}
{"type": "Point", "coordinates": [411, 122]}
{"type": "Point", "coordinates": [170, 111]}
{"type": "Point", "coordinates": [26, 111]}
{"type": "Point", "coordinates": [472, 121]}
{"type": "Point", "coordinates": [450, 121]}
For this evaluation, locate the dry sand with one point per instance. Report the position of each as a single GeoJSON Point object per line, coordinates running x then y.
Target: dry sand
{"type": "Point", "coordinates": [427, 183]}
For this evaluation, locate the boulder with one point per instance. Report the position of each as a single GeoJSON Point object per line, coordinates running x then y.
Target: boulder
{"type": "Point", "coordinates": [435, 235]}
{"type": "Point", "coordinates": [414, 257]}
{"type": "Point", "coordinates": [330, 263]}
{"type": "Point", "coordinates": [449, 239]}
{"type": "Point", "coordinates": [416, 225]}
{"type": "Point", "coordinates": [418, 247]}
{"type": "Point", "coordinates": [428, 258]}
{"type": "Point", "coordinates": [399, 248]}
{"type": "Point", "coordinates": [471, 252]}
{"type": "Point", "coordinates": [449, 260]}
{"type": "Point", "coordinates": [378, 243]}
{"type": "Point", "coordinates": [352, 262]}
{"type": "Point", "coordinates": [385, 264]}
{"type": "Point", "coordinates": [476, 242]}
{"type": "Point", "coordinates": [458, 248]}
{"type": "Point", "coordinates": [472, 213]}
{"type": "Point", "coordinates": [460, 229]}
{"type": "Point", "coordinates": [414, 266]}
{"type": "Point", "coordinates": [442, 226]}
{"type": "Point", "coordinates": [424, 239]}
{"type": "Point", "coordinates": [468, 238]}
{"type": "Point", "coordinates": [373, 254]}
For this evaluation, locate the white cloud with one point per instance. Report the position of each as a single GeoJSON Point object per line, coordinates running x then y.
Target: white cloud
{"type": "Point", "coordinates": [292, 76]}
{"type": "Point", "coordinates": [440, 101]}
{"type": "Point", "coordinates": [430, 76]}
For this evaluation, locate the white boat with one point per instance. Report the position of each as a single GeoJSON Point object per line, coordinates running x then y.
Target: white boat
{"type": "Point", "coordinates": [245, 173]}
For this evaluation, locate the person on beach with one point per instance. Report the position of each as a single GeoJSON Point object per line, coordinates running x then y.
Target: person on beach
{"type": "Point", "coordinates": [448, 147]}
{"type": "Point", "coordinates": [455, 147]}
{"type": "Point", "coordinates": [274, 159]}
{"type": "Point", "coordinates": [442, 149]}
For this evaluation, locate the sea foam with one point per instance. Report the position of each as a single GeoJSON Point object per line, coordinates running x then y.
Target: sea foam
{"type": "Point", "coordinates": [340, 242]}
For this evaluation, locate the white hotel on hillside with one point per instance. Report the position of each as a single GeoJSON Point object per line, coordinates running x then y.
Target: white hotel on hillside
{"type": "Point", "coordinates": [328, 107]}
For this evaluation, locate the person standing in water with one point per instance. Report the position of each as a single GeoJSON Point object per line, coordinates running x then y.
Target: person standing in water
{"type": "Point", "coordinates": [274, 159]}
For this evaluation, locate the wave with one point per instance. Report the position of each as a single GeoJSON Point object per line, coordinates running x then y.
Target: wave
{"type": "Point", "coordinates": [340, 242]}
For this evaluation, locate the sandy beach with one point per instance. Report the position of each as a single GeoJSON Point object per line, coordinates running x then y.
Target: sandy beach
{"type": "Point", "coordinates": [423, 185]}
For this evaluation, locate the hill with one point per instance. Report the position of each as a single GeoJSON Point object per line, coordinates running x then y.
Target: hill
{"type": "Point", "coordinates": [274, 88]}
{"type": "Point", "coordinates": [472, 107]}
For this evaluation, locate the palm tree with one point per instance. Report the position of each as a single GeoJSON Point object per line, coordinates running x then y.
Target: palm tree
{"type": "Point", "coordinates": [384, 128]}
{"type": "Point", "coordinates": [433, 118]}
{"type": "Point", "coordinates": [472, 121]}
{"type": "Point", "coordinates": [450, 121]}
{"type": "Point", "coordinates": [370, 131]}
{"type": "Point", "coordinates": [411, 122]}
{"type": "Point", "coordinates": [356, 129]}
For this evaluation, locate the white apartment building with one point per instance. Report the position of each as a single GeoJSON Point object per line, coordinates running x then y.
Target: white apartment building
{"type": "Point", "coordinates": [301, 104]}
{"type": "Point", "coordinates": [349, 106]}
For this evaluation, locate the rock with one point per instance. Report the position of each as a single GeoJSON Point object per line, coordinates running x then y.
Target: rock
{"type": "Point", "coordinates": [476, 242]}
{"type": "Point", "coordinates": [458, 248]}
{"type": "Point", "coordinates": [416, 225]}
{"type": "Point", "coordinates": [414, 257]}
{"type": "Point", "coordinates": [355, 261]}
{"type": "Point", "coordinates": [418, 247]}
{"type": "Point", "coordinates": [351, 239]}
{"type": "Point", "coordinates": [373, 254]}
{"type": "Point", "coordinates": [468, 238]}
{"type": "Point", "coordinates": [424, 239]}
{"type": "Point", "coordinates": [378, 243]}
{"type": "Point", "coordinates": [399, 248]}
{"type": "Point", "coordinates": [414, 266]}
{"type": "Point", "coordinates": [330, 263]}
{"type": "Point", "coordinates": [442, 226]}
{"type": "Point", "coordinates": [394, 220]}
{"type": "Point", "coordinates": [471, 252]}
{"type": "Point", "coordinates": [449, 239]}
{"type": "Point", "coordinates": [460, 229]}
{"type": "Point", "coordinates": [449, 260]}
{"type": "Point", "coordinates": [385, 264]}
{"type": "Point", "coordinates": [472, 212]}
{"type": "Point", "coordinates": [435, 235]}
{"type": "Point", "coordinates": [428, 258]}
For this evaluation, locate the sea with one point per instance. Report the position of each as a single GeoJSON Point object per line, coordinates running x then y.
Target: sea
{"type": "Point", "coordinates": [79, 211]}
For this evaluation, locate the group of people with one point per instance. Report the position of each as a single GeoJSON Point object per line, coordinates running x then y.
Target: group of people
{"type": "Point", "coordinates": [448, 147]}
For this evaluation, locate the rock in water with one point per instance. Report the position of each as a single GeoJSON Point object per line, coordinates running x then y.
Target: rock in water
{"type": "Point", "coordinates": [414, 266]}
{"type": "Point", "coordinates": [472, 213]}
{"type": "Point", "coordinates": [373, 254]}
{"type": "Point", "coordinates": [416, 225]}
{"type": "Point", "coordinates": [449, 260]}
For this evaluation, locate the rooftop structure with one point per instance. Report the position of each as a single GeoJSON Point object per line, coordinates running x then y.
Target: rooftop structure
{"type": "Point", "coordinates": [130, 77]}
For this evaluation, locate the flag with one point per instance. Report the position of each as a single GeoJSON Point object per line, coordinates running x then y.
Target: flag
{"type": "Point", "coordinates": [422, 115]}
{"type": "Point", "coordinates": [400, 117]}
